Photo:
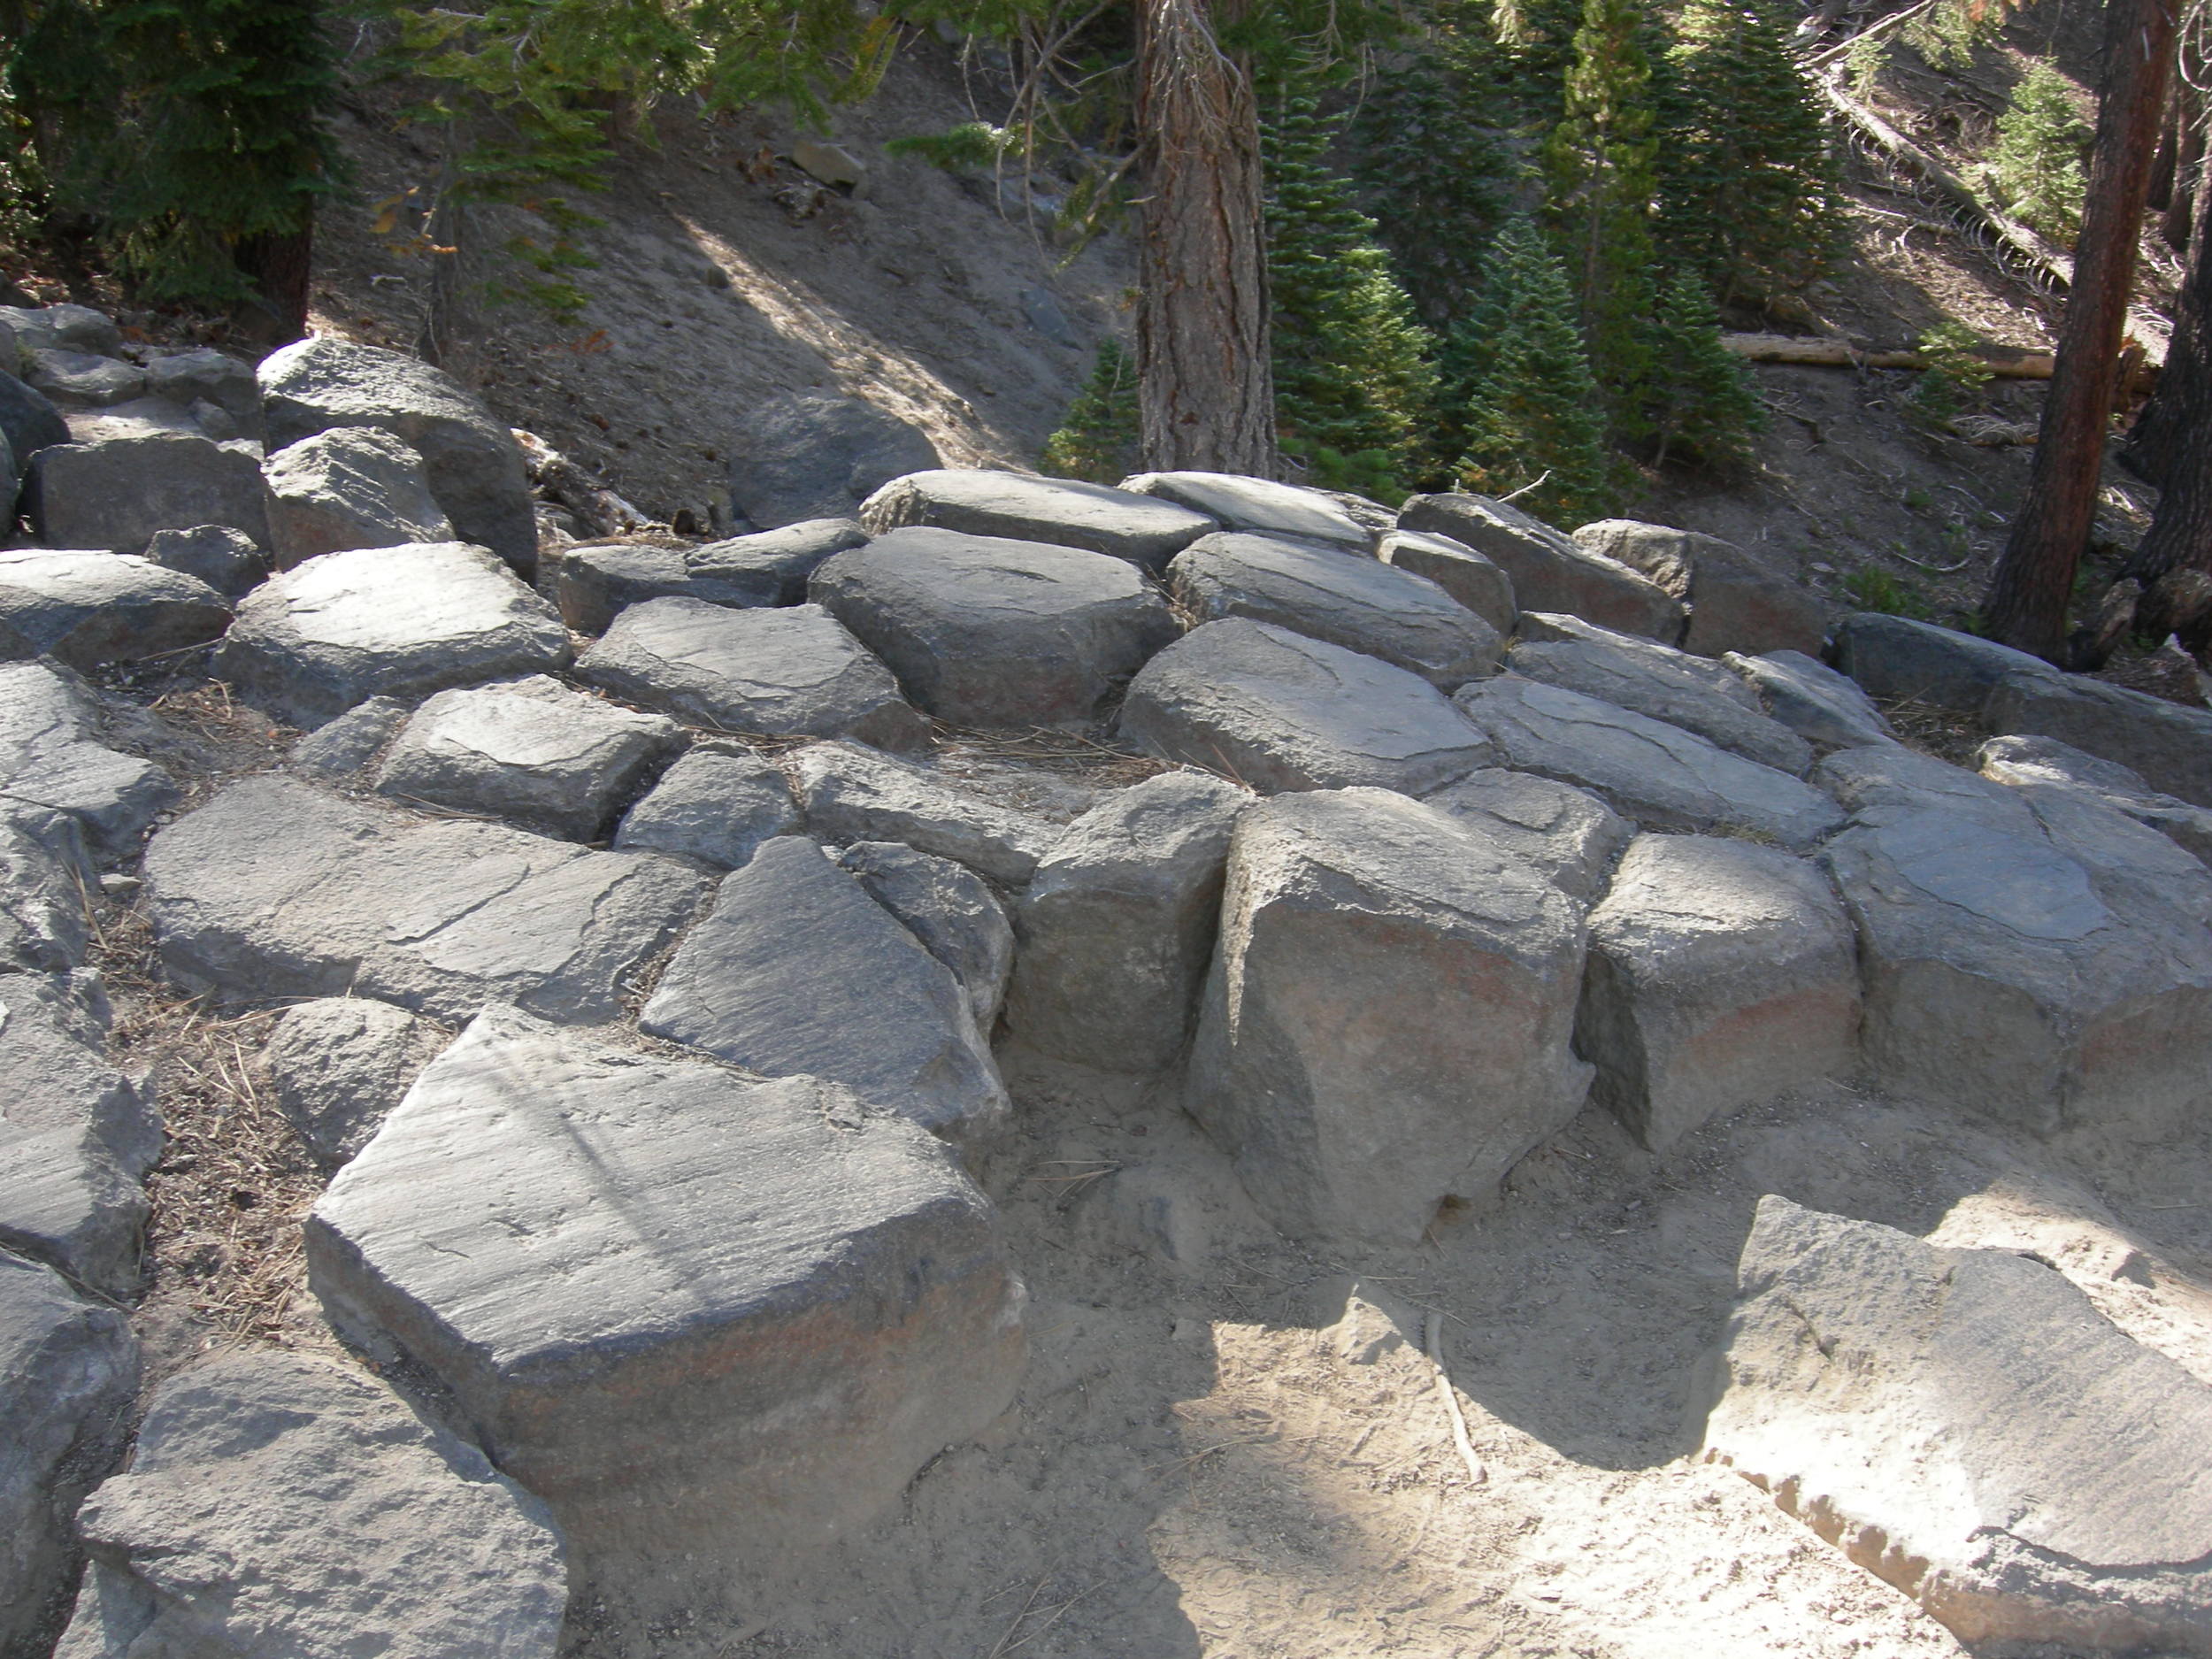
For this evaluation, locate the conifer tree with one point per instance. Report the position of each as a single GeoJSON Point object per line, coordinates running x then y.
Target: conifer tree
{"type": "Point", "coordinates": [1098, 439]}
{"type": "Point", "coordinates": [1526, 404]}
{"type": "Point", "coordinates": [1355, 393]}
{"type": "Point", "coordinates": [2036, 162]}
{"type": "Point", "coordinates": [1705, 405]}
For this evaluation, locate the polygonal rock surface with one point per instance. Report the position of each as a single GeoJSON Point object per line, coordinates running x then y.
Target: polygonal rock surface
{"type": "Point", "coordinates": [50, 762]}
{"type": "Point", "coordinates": [951, 910]}
{"type": "Point", "coordinates": [532, 750]}
{"type": "Point", "coordinates": [2045, 760]}
{"type": "Point", "coordinates": [1387, 1019]}
{"type": "Point", "coordinates": [596, 584]}
{"type": "Point", "coordinates": [797, 972]}
{"type": "Point", "coordinates": [813, 456]}
{"type": "Point", "coordinates": [1628, 680]}
{"type": "Point", "coordinates": [1556, 628]}
{"type": "Point", "coordinates": [1881, 784]}
{"type": "Point", "coordinates": [1658, 774]}
{"type": "Point", "coordinates": [1476, 580]}
{"type": "Point", "coordinates": [1823, 707]}
{"type": "Point", "coordinates": [1276, 711]}
{"type": "Point", "coordinates": [1900, 660]}
{"type": "Point", "coordinates": [772, 567]}
{"type": "Point", "coordinates": [338, 751]}
{"type": "Point", "coordinates": [1257, 505]}
{"type": "Point", "coordinates": [79, 380]}
{"type": "Point", "coordinates": [397, 621]}
{"type": "Point", "coordinates": [88, 608]}
{"type": "Point", "coordinates": [1735, 604]}
{"type": "Point", "coordinates": [275, 888]}
{"type": "Point", "coordinates": [2171, 746]}
{"type": "Point", "coordinates": [713, 804]}
{"type": "Point", "coordinates": [794, 1303]}
{"type": "Point", "coordinates": [356, 486]}
{"type": "Point", "coordinates": [472, 462]}
{"type": "Point", "coordinates": [1143, 529]}
{"type": "Point", "coordinates": [28, 421]}
{"type": "Point", "coordinates": [68, 1379]}
{"type": "Point", "coordinates": [277, 1504]}
{"type": "Point", "coordinates": [1568, 833]}
{"type": "Point", "coordinates": [225, 559]}
{"type": "Point", "coordinates": [1360, 603]}
{"type": "Point", "coordinates": [118, 492]}
{"type": "Point", "coordinates": [1966, 1426]}
{"type": "Point", "coordinates": [1549, 572]}
{"type": "Point", "coordinates": [984, 631]}
{"type": "Point", "coordinates": [1117, 925]}
{"type": "Point", "coordinates": [793, 672]}
{"type": "Point", "coordinates": [340, 1064]}
{"type": "Point", "coordinates": [851, 794]}
{"type": "Point", "coordinates": [76, 1137]}
{"type": "Point", "coordinates": [1721, 974]}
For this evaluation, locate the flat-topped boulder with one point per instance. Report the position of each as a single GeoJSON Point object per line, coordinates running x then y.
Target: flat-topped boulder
{"type": "Point", "coordinates": [117, 492]}
{"type": "Point", "coordinates": [1568, 833]}
{"type": "Point", "coordinates": [1276, 711]}
{"type": "Point", "coordinates": [28, 419]}
{"type": "Point", "coordinates": [791, 672]}
{"type": "Point", "coordinates": [1387, 1019]}
{"type": "Point", "coordinates": [1549, 572]}
{"type": "Point", "coordinates": [533, 751]}
{"type": "Point", "coordinates": [1360, 603]}
{"type": "Point", "coordinates": [988, 631]}
{"type": "Point", "coordinates": [62, 328]}
{"type": "Point", "coordinates": [2170, 745]}
{"type": "Point", "coordinates": [1146, 530]}
{"type": "Point", "coordinates": [1630, 680]}
{"type": "Point", "coordinates": [275, 889]}
{"type": "Point", "coordinates": [797, 972]}
{"type": "Point", "coordinates": [1965, 1425]}
{"type": "Point", "coordinates": [1824, 708]}
{"type": "Point", "coordinates": [1880, 784]}
{"type": "Point", "coordinates": [1735, 602]}
{"type": "Point", "coordinates": [226, 560]}
{"type": "Point", "coordinates": [1475, 579]}
{"type": "Point", "coordinates": [338, 1066]}
{"type": "Point", "coordinates": [350, 488]}
{"type": "Point", "coordinates": [473, 464]}
{"type": "Point", "coordinates": [1658, 774]}
{"type": "Point", "coordinates": [1896, 659]}
{"type": "Point", "coordinates": [2018, 760]}
{"type": "Point", "coordinates": [1118, 923]}
{"type": "Point", "coordinates": [851, 794]}
{"type": "Point", "coordinates": [87, 608]}
{"type": "Point", "coordinates": [950, 909]}
{"type": "Point", "coordinates": [51, 761]}
{"type": "Point", "coordinates": [82, 379]}
{"type": "Point", "coordinates": [202, 379]}
{"type": "Point", "coordinates": [276, 1503]}
{"type": "Point", "coordinates": [797, 1301]}
{"type": "Point", "coordinates": [1259, 505]}
{"type": "Point", "coordinates": [398, 621]}
{"type": "Point", "coordinates": [716, 803]}
{"type": "Point", "coordinates": [1721, 974]}
{"type": "Point", "coordinates": [596, 584]}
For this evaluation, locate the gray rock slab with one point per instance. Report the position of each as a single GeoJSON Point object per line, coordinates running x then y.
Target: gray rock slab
{"type": "Point", "coordinates": [1570, 834]}
{"type": "Point", "coordinates": [1898, 660]}
{"type": "Point", "coordinates": [797, 972]}
{"type": "Point", "coordinates": [1387, 1020]}
{"type": "Point", "coordinates": [68, 1382]}
{"type": "Point", "coordinates": [115, 493]}
{"type": "Point", "coordinates": [533, 751]}
{"type": "Point", "coordinates": [340, 750]}
{"type": "Point", "coordinates": [76, 1136]}
{"type": "Point", "coordinates": [1145, 530]}
{"type": "Point", "coordinates": [951, 910]}
{"type": "Point", "coordinates": [80, 379]}
{"type": "Point", "coordinates": [28, 420]}
{"type": "Point", "coordinates": [1824, 708]}
{"type": "Point", "coordinates": [353, 486]}
{"type": "Point", "coordinates": [1275, 710]}
{"type": "Point", "coordinates": [1360, 603]}
{"type": "Point", "coordinates": [1477, 581]}
{"type": "Point", "coordinates": [52, 761]}
{"type": "Point", "coordinates": [1658, 774]}
{"type": "Point", "coordinates": [474, 465]}
{"type": "Point", "coordinates": [1880, 784]}
{"type": "Point", "coordinates": [772, 567]}
{"type": "Point", "coordinates": [275, 888]}
{"type": "Point", "coordinates": [340, 1063]}
{"type": "Point", "coordinates": [63, 328]}
{"type": "Point", "coordinates": [788, 672]}
{"type": "Point", "coordinates": [2045, 760]}
{"type": "Point", "coordinates": [717, 805]}
{"type": "Point", "coordinates": [811, 456]}
{"type": "Point", "coordinates": [398, 621]}
{"type": "Point", "coordinates": [2169, 745]}
{"type": "Point", "coordinates": [1259, 505]}
{"type": "Point", "coordinates": [987, 630]}
{"type": "Point", "coordinates": [1556, 628]}
{"type": "Point", "coordinates": [137, 419]}
{"type": "Point", "coordinates": [205, 375]}
{"type": "Point", "coordinates": [42, 922]}
{"type": "Point", "coordinates": [596, 584]}
{"type": "Point", "coordinates": [276, 1503]}
{"type": "Point", "coordinates": [1629, 680]}
{"type": "Point", "coordinates": [711, 1320]}
{"type": "Point", "coordinates": [1549, 572]}
{"type": "Point", "coordinates": [225, 559]}
{"type": "Point", "coordinates": [1966, 1426]}
{"type": "Point", "coordinates": [1118, 923]}
{"type": "Point", "coordinates": [851, 794]}
{"type": "Point", "coordinates": [1721, 974]}
{"type": "Point", "coordinates": [87, 608]}
{"type": "Point", "coordinates": [1736, 603]}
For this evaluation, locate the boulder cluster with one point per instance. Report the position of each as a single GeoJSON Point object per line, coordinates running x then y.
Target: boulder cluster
{"type": "Point", "coordinates": [1458, 824]}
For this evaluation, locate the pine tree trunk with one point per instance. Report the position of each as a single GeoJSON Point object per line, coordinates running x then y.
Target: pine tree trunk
{"type": "Point", "coordinates": [281, 268]}
{"type": "Point", "coordinates": [2185, 384]}
{"type": "Point", "coordinates": [1206, 392]}
{"type": "Point", "coordinates": [2025, 607]}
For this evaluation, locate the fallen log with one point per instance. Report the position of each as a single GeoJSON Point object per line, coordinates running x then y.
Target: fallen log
{"type": "Point", "coordinates": [1822, 351]}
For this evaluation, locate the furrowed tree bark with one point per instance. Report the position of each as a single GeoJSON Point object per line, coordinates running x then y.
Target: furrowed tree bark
{"type": "Point", "coordinates": [2185, 386]}
{"type": "Point", "coordinates": [1205, 389]}
{"type": "Point", "coordinates": [2025, 607]}
{"type": "Point", "coordinates": [281, 267]}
